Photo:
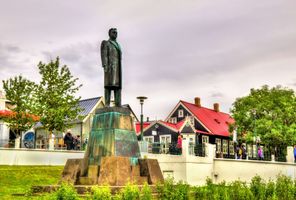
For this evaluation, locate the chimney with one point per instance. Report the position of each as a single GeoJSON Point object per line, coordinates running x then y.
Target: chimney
{"type": "Point", "coordinates": [197, 101]}
{"type": "Point", "coordinates": [216, 107]}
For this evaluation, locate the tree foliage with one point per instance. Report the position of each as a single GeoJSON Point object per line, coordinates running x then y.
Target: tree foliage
{"type": "Point", "coordinates": [269, 113]}
{"type": "Point", "coordinates": [57, 104]}
{"type": "Point", "coordinates": [22, 95]}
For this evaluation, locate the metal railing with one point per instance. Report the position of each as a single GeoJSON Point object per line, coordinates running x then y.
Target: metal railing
{"type": "Point", "coordinates": [173, 149]}
{"type": "Point", "coordinates": [200, 150]}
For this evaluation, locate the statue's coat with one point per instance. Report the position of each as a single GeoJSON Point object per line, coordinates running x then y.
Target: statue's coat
{"type": "Point", "coordinates": [111, 61]}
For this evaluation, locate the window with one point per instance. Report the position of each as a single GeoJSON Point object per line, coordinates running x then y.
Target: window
{"type": "Point", "coordinates": [225, 147]}
{"type": "Point", "coordinates": [205, 139]}
{"type": "Point", "coordinates": [149, 139]}
{"type": "Point", "coordinates": [173, 120]}
{"type": "Point", "coordinates": [165, 141]}
{"type": "Point", "coordinates": [249, 150]}
{"type": "Point", "coordinates": [191, 146]}
{"type": "Point", "coordinates": [191, 119]}
{"type": "Point", "coordinates": [180, 113]}
{"type": "Point", "coordinates": [231, 148]}
{"type": "Point", "coordinates": [218, 145]}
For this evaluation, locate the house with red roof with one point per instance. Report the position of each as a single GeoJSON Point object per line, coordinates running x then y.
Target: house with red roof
{"type": "Point", "coordinates": [197, 124]}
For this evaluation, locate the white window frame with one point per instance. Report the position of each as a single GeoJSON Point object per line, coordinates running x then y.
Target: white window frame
{"type": "Point", "coordinates": [166, 136]}
{"type": "Point", "coordinates": [149, 145]}
{"type": "Point", "coordinates": [231, 147]}
{"type": "Point", "coordinates": [146, 138]}
{"type": "Point", "coordinates": [173, 120]}
{"type": "Point", "coordinates": [225, 146]}
{"type": "Point", "coordinates": [205, 139]}
{"type": "Point", "coordinates": [180, 113]}
{"type": "Point", "coordinates": [249, 149]}
{"type": "Point", "coordinates": [218, 144]}
{"type": "Point", "coordinates": [164, 146]}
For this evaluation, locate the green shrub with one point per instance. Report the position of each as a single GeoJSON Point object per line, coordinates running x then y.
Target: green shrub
{"type": "Point", "coordinates": [117, 197]}
{"type": "Point", "coordinates": [270, 191]}
{"type": "Point", "coordinates": [211, 191]}
{"type": "Point", "coordinates": [238, 190]}
{"type": "Point", "coordinates": [221, 192]}
{"type": "Point", "coordinates": [284, 188]}
{"type": "Point", "coordinates": [65, 192]}
{"type": "Point", "coordinates": [146, 193]}
{"type": "Point", "coordinates": [257, 188]}
{"type": "Point", "coordinates": [200, 193]}
{"type": "Point", "coordinates": [181, 191]}
{"type": "Point", "coordinates": [101, 193]}
{"type": "Point", "coordinates": [166, 189]}
{"type": "Point", "coordinates": [130, 192]}
{"type": "Point", "coordinates": [171, 190]}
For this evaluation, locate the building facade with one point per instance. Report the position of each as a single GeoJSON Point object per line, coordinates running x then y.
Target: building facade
{"type": "Point", "coordinates": [196, 124]}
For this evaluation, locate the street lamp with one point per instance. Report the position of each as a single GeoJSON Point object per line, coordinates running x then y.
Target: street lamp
{"type": "Point", "coordinates": [141, 98]}
{"type": "Point", "coordinates": [254, 133]}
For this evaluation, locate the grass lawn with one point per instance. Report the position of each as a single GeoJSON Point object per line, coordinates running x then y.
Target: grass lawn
{"type": "Point", "coordinates": [19, 179]}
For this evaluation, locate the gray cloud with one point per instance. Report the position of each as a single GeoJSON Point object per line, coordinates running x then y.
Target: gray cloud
{"type": "Point", "coordinates": [216, 94]}
{"type": "Point", "coordinates": [171, 50]}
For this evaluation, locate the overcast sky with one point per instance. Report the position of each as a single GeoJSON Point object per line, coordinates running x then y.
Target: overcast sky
{"type": "Point", "coordinates": [172, 50]}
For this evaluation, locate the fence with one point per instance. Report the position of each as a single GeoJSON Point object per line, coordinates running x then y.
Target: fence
{"type": "Point", "coordinates": [251, 153]}
{"type": "Point", "coordinates": [193, 149]}
{"type": "Point", "coordinates": [161, 148]}
{"type": "Point", "coordinates": [172, 148]}
{"type": "Point", "coordinates": [279, 153]}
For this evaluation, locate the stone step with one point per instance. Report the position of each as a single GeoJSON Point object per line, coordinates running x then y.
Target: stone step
{"type": "Point", "coordinates": [87, 181]}
{"type": "Point", "coordinates": [139, 180]}
{"type": "Point", "coordinates": [135, 170]}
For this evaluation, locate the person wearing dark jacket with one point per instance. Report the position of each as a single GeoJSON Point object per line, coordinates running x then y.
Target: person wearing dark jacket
{"type": "Point", "coordinates": [68, 140]}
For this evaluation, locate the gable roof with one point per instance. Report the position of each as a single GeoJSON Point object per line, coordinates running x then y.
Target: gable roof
{"type": "Point", "coordinates": [216, 122]}
{"type": "Point", "coordinates": [145, 125]}
{"type": "Point", "coordinates": [87, 105]}
{"type": "Point", "coordinates": [129, 107]}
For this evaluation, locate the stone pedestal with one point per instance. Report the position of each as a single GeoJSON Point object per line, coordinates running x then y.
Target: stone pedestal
{"type": "Point", "coordinates": [114, 171]}
{"type": "Point", "coordinates": [112, 134]}
{"type": "Point", "coordinates": [112, 155]}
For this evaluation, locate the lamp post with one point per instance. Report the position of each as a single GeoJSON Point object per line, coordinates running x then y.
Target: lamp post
{"type": "Point", "coordinates": [141, 98]}
{"type": "Point", "coordinates": [254, 133]}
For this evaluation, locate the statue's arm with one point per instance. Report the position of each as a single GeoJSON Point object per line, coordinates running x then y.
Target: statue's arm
{"type": "Point", "coordinates": [104, 54]}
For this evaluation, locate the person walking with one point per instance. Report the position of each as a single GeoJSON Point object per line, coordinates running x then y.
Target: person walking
{"type": "Point", "coordinates": [294, 153]}
{"type": "Point", "coordinates": [68, 140]}
{"type": "Point", "coordinates": [260, 153]}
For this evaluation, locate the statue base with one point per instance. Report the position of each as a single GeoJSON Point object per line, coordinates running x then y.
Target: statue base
{"type": "Point", "coordinates": [112, 155]}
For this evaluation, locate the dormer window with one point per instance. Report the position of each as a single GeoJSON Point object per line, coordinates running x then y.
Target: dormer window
{"type": "Point", "coordinates": [180, 113]}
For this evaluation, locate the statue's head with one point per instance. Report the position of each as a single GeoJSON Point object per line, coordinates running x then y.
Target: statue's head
{"type": "Point", "coordinates": [113, 33]}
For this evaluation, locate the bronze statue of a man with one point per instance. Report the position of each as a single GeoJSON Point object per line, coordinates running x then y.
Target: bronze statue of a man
{"type": "Point", "coordinates": [111, 61]}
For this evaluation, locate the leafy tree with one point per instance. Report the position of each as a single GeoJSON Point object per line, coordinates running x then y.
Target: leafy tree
{"type": "Point", "coordinates": [57, 104]}
{"type": "Point", "coordinates": [269, 113]}
{"type": "Point", "coordinates": [22, 94]}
